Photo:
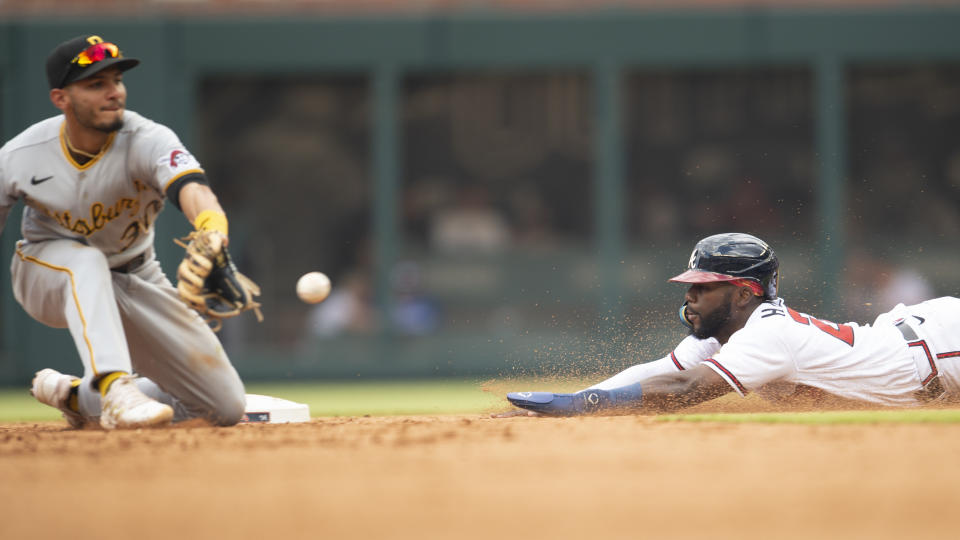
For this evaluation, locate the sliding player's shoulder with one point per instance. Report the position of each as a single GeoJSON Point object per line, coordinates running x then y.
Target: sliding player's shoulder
{"type": "Point", "coordinates": [766, 326]}
{"type": "Point", "coordinates": [769, 316]}
{"type": "Point", "coordinates": [694, 347]}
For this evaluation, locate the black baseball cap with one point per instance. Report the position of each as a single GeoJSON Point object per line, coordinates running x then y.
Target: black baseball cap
{"type": "Point", "coordinates": [64, 65]}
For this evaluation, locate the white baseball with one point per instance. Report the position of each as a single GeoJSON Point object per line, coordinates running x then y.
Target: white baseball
{"type": "Point", "coordinates": [313, 287]}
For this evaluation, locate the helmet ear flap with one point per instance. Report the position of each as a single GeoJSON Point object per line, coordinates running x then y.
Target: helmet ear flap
{"type": "Point", "coordinates": [683, 316]}
{"type": "Point", "coordinates": [773, 284]}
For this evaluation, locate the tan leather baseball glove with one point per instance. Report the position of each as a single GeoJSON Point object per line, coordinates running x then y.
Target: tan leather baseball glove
{"type": "Point", "coordinates": [209, 282]}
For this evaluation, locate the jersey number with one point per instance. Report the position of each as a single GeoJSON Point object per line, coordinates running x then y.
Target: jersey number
{"type": "Point", "coordinates": [842, 332]}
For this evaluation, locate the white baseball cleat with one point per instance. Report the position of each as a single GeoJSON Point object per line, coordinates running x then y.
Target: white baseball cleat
{"type": "Point", "coordinates": [125, 406]}
{"type": "Point", "coordinates": [52, 388]}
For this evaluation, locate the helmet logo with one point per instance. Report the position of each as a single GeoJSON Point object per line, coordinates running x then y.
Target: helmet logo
{"type": "Point", "coordinates": [693, 258]}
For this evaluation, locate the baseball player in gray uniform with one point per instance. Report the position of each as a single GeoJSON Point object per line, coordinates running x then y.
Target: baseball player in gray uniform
{"type": "Point", "coordinates": [93, 180]}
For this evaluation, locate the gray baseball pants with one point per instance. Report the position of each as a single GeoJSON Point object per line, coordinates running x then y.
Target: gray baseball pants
{"type": "Point", "coordinates": [128, 321]}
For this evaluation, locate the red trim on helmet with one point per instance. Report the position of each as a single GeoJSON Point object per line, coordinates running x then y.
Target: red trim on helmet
{"type": "Point", "coordinates": [701, 276]}
{"type": "Point", "coordinates": [750, 284]}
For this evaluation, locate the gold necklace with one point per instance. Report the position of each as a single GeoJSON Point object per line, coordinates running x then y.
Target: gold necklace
{"type": "Point", "coordinates": [77, 151]}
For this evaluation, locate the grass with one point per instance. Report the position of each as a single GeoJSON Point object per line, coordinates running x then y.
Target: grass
{"type": "Point", "coordinates": [384, 398]}
{"type": "Point", "coordinates": [17, 405]}
{"type": "Point", "coordinates": [325, 399]}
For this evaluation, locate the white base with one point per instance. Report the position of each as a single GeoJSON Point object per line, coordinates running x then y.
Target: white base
{"type": "Point", "coordinates": [271, 410]}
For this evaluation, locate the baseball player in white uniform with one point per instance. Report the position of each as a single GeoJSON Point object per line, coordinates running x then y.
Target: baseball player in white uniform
{"type": "Point", "coordinates": [746, 339]}
{"type": "Point", "coordinates": [93, 180]}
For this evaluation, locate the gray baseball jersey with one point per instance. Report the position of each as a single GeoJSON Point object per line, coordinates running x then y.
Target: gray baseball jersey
{"type": "Point", "coordinates": [110, 202]}
{"type": "Point", "coordinates": [86, 262]}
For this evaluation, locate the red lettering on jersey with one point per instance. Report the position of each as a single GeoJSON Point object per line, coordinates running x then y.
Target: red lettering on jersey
{"type": "Point", "coordinates": [797, 317]}
{"type": "Point", "coordinates": [842, 332]}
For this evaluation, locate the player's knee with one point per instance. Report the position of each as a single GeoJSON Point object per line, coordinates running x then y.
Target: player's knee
{"type": "Point", "coordinates": [88, 257]}
{"type": "Point", "coordinates": [230, 410]}
{"type": "Point", "coordinates": [90, 265]}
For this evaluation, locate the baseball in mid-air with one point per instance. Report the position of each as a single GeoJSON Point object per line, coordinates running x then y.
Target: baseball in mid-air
{"type": "Point", "coordinates": [313, 287]}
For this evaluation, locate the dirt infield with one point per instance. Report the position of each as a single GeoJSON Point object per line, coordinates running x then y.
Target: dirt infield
{"type": "Point", "coordinates": [480, 477]}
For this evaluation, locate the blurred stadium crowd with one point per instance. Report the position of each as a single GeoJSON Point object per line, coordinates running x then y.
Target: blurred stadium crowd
{"type": "Point", "coordinates": [496, 209]}
{"type": "Point", "coordinates": [498, 166]}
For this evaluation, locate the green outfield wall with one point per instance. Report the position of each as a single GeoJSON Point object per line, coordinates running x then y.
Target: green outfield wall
{"type": "Point", "coordinates": [605, 53]}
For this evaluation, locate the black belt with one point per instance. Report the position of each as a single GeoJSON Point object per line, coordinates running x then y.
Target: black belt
{"type": "Point", "coordinates": [933, 389]}
{"type": "Point", "coordinates": [130, 265]}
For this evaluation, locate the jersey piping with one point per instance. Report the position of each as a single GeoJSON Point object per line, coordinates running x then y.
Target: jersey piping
{"type": "Point", "coordinates": [676, 362]}
{"type": "Point", "coordinates": [726, 374]}
{"type": "Point", "coordinates": [94, 159]}
{"type": "Point", "coordinates": [76, 300]}
{"type": "Point", "coordinates": [926, 351]}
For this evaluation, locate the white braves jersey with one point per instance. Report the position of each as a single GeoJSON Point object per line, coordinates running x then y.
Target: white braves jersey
{"type": "Point", "coordinates": [779, 348]}
{"type": "Point", "coordinates": [110, 202]}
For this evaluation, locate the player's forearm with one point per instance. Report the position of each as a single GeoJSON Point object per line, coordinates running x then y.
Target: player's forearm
{"type": "Point", "coordinates": [659, 393]}
{"type": "Point", "coordinates": [659, 387]}
{"type": "Point", "coordinates": [195, 198]}
{"type": "Point", "coordinates": [638, 373]}
{"type": "Point", "coordinates": [671, 392]}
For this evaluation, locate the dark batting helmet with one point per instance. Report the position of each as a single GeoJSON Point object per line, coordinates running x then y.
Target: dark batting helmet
{"type": "Point", "coordinates": [733, 257]}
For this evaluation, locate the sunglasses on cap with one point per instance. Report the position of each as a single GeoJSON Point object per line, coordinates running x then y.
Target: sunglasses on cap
{"type": "Point", "coordinates": [96, 53]}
